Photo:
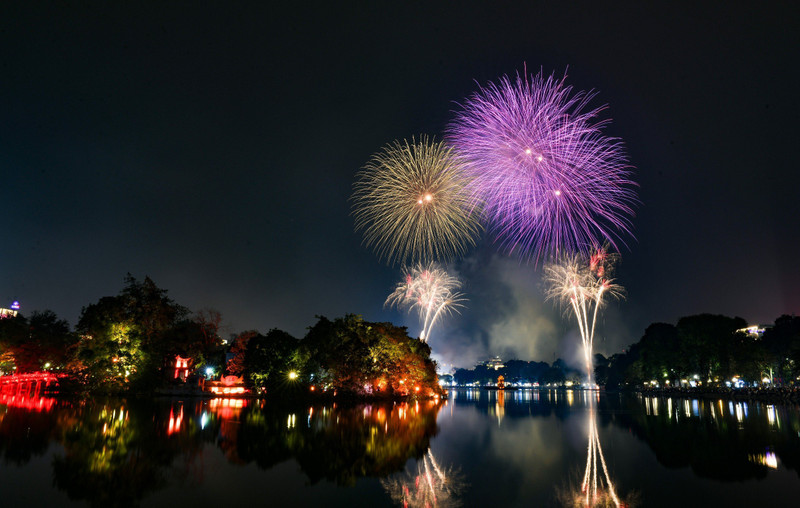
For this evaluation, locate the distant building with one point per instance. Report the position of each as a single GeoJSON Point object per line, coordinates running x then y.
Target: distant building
{"type": "Point", "coordinates": [12, 312]}
{"type": "Point", "coordinates": [493, 363]}
{"type": "Point", "coordinates": [755, 331]}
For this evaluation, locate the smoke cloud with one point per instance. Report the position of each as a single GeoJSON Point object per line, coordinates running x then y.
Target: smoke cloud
{"type": "Point", "coordinates": [506, 315]}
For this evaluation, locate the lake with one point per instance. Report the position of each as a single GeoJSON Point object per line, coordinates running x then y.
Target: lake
{"type": "Point", "coordinates": [479, 448]}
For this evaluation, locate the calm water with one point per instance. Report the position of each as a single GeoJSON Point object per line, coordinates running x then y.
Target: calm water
{"type": "Point", "coordinates": [481, 448]}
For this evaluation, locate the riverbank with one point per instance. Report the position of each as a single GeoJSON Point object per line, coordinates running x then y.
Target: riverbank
{"type": "Point", "coordinates": [778, 395]}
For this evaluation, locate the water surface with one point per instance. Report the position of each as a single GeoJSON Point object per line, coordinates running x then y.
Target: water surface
{"type": "Point", "coordinates": [480, 448]}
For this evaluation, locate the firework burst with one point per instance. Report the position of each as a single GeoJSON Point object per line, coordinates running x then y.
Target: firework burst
{"type": "Point", "coordinates": [428, 290]}
{"type": "Point", "coordinates": [537, 161]}
{"type": "Point", "coordinates": [410, 201]}
{"type": "Point", "coordinates": [581, 285]}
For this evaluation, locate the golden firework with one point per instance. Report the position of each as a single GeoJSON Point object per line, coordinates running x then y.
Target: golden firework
{"type": "Point", "coordinates": [411, 203]}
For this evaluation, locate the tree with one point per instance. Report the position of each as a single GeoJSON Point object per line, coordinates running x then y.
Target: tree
{"type": "Point", "coordinates": [705, 341]}
{"type": "Point", "coordinates": [659, 354]}
{"type": "Point", "coordinates": [782, 347]}
{"type": "Point", "coordinates": [268, 360]}
{"type": "Point", "coordinates": [238, 351]}
{"type": "Point", "coordinates": [355, 356]}
{"type": "Point", "coordinates": [43, 341]}
{"type": "Point", "coordinates": [126, 338]}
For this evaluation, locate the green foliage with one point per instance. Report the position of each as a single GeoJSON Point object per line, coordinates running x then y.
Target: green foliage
{"type": "Point", "coordinates": [269, 360]}
{"type": "Point", "coordinates": [709, 347]}
{"type": "Point", "coordinates": [354, 356]}
{"type": "Point", "coordinates": [130, 338]}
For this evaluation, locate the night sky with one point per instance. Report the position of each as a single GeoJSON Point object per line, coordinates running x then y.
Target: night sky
{"type": "Point", "coordinates": [214, 149]}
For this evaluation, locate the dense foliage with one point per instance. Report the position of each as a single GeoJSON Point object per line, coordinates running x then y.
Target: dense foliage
{"type": "Point", "coordinates": [347, 355]}
{"type": "Point", "coordinates": [709, 349]}
{"type": "Point", "coordinates": [130, 342]}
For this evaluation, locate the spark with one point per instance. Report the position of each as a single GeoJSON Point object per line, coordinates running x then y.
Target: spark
{"type": "Point", "coordinates": [411, 203]}
{"type": "Point", "coordinates": [547, 178]}
{"type": "Point", "coordinates": [581, 285]}
{"type": "Point", "coordinates": [430, 291]}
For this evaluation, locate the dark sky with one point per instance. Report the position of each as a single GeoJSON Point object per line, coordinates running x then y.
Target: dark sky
{"type": "Point", "coordinates": [214, 149]}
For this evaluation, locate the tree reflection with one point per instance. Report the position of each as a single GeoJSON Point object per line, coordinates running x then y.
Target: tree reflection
{"type": "Point", "coordinates": [430, 485]}
{"type": "Point", "coordinates": [338, 444]}
{"type": "Point", "coordinates": [108, 457]}
{"type": "Point", "coordinates": [721, 440]}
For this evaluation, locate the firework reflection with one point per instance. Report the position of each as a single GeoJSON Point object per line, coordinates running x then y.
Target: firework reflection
{"type": "Point", "coordinates": [430, 485]}
{"type": "Point", "coordinates": [595, 488]}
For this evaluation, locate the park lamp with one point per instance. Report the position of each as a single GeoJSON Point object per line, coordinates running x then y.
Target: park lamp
{"type": "Point", "coordinates": [292, 375]}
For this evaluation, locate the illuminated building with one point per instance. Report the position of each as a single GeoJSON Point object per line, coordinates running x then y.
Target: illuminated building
{"type": "Point", "coordinates": [755, 331]}
{"type": "Point", "coordinates": [181, 368]}
{"type": "Point", "coordinates": [227, 386]}
{"type": "Point", "coordinates": [493, 363]}
{"type": "Point", "coordinates": [12, 312]}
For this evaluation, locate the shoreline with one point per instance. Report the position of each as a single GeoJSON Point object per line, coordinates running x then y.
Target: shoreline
{"type": "Point", "coordinates": [779, 395]}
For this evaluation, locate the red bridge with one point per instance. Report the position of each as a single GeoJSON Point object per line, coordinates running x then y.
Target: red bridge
{"type": "Point", "coordinates": [32, 383]}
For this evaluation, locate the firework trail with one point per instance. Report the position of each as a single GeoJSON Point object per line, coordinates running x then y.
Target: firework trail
{"type": "Point", "coordinates": [430, 291]}
{"type": "Point", "coordinates": [410, 201]}
{"type": "Point", "coordinates": [537, 161]}
{"type": "Point", "coordinates": [430, 486]}
{"type": "Point", "coordinates": [583, 284]}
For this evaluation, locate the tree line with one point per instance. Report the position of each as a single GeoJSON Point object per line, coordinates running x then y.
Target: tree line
{"type": "Point", "coordinates": [702, 349]}
{"type": "Point", "coordinates": [129, 342]}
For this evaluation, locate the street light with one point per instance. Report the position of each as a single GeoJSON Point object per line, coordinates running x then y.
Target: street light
{"type": "Point", "coordinates": [292, 375]}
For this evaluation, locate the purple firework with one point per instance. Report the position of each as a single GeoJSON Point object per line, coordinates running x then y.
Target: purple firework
{"type": "Point", "coordinates": [546, 177]}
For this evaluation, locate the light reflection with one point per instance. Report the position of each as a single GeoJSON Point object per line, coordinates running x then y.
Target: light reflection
{"type": "Point", "coordinates": [596, 487]}
{"type": "Point", "coordinates": [768, 459]}
{"type": "Point", "coordinates": [430, 485]}
{"type": "Point", "coordinates": [30, 402]}
{"type": "Point", "coordinates": [500, 406]}
{"type": "Point", "coordinates": [772, 417]}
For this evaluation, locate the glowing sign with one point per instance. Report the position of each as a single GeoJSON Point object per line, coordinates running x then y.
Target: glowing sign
{"type": "Point", "coordinates": [15, 305]}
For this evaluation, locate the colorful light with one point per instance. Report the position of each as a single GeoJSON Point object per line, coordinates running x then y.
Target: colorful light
{"type": "Point", "coordinates": [583, 286]}
{"type": "Point", "coordinates": [537, 162]}
{"type": "Point", "coordinates": [410, 201]}
{"type": "Point", "coordinates": [429, 290]}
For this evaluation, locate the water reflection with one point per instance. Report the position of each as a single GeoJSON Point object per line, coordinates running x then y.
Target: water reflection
{"type": "Point", "coordinates": [428, 485]}
{"type": "Point", "coordinates": [116, 452]}
{"type": "Point", "coordinates": [718, 439]}
{"type": "Point", "coordinates": [596, 488]}
{"type": "Point", "coordinates": [501, 449]}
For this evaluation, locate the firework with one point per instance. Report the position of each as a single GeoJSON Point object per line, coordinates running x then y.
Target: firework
{"type": "Point", "coordinates": [536, 159]}
{"type": "Point", "coordinates": [430, 291]}
{"type": "Point", "coordinates": [410, 202]}
{"type": "Point", "coordinates": [581, 285]}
